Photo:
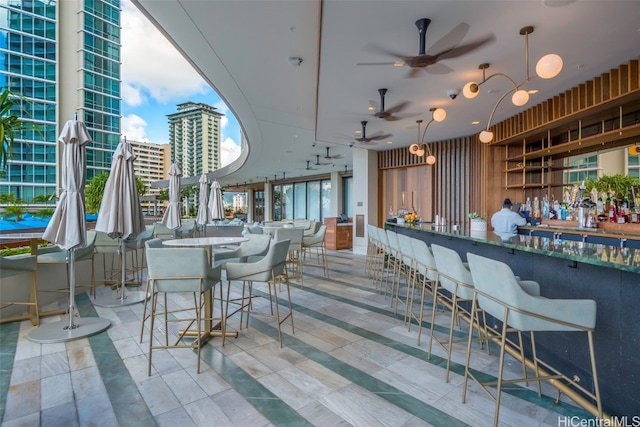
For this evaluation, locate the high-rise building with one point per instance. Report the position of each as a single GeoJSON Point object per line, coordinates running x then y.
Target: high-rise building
{"type": "Point", "coordinates": [194, 135]}
{"type": "Point", "coordinates": [151, 164]}
{"type": "Point", "coordinates": [60, 59]}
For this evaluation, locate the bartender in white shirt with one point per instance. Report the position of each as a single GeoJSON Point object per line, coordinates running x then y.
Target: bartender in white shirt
{"type": "Point", "coordinates": [505, 222]}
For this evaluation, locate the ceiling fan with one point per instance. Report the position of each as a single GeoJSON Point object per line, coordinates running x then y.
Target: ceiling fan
{"type": "Point", "coordinates": [331, 157]}
{"type": "Point", "coordinates": [318, 161]}
{"type": "Point", "coordinates": [308, 168]}
{"type": "Point", "coordinates": [370, 140]}
{"type": "Point", "coordinates": [388, 114]}
{"type": "Point", "coordinates": [446, 48]}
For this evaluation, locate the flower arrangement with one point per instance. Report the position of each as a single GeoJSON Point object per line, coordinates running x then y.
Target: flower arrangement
{"type": "Point", "coordinates": [411, 217]}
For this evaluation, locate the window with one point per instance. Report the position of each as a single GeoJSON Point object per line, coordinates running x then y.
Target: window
{"type": "Point", "coordinates": [581, 169]}
{"type": "Point", "coordinates": [347, 196]}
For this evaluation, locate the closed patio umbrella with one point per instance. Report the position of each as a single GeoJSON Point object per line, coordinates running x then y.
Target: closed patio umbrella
{"type": "Point", "coordinates": [171, 218]}
{"type": "Point", "coordinates": [67, 230]}
{"type": "Point", "coordinates": [120, 214]}
{"type": "Point", "coordinates": [203, 197]}
{"type": "Point", "coordinates": [215, 202]}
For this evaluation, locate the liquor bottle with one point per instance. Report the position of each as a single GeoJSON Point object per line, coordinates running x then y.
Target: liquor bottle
{"type": "Point", "coordinates": [545, 207]}
{"type": "Point", "coordinates": [612, 213]}
{"type": "Point", "coordinates": [556, 209]}
{"type": "Point", "coordinates": [599, 205]}
{"type": "Point", "coordinates": [536, 207]}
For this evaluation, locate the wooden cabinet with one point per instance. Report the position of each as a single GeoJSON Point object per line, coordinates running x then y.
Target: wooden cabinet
{"type": "Point", "coordinates": [338, 235]}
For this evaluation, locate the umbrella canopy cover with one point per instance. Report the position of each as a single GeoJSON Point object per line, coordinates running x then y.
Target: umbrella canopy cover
{"type": "Point", "coordinates": [215, 202]}
{"type": "Point", "coordinates": [67, 225]}
{"type": "Point", "coordinates": [171, 218]}
{"type": "Point", "coordinates": [203, 197]}
{"type": "Point", "coordinates": [120, 214]}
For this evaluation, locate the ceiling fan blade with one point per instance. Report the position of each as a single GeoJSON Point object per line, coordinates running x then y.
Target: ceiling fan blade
{"type": "Point", "coordinates": [465, 48]}
{"type": "Point", "coordinates": [378, 136]}
{"type": "Point", "coordinates": [398, 107]}
{"type": "Point", "coordinates": [438, 69]}
{"type": "Point", "coordinates": [413, 73]}
{"type": "Point", "coordinates": [375, 63]}
{"type": "Point", "coordinates": [382, 51]}
{"type": "Point", "coordinates": [450, 40]}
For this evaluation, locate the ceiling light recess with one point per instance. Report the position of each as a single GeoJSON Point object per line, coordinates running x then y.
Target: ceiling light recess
{"type": "Point", "coordinates": [421, 148]}
{"type": "Point", "coordinates": [547, 67]}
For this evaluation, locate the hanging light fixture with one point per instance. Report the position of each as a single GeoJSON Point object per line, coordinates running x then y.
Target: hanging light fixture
{"type": "Point", "coordinates": [421, 148]}
{"type": "Point", "coordinates": [547, 67]}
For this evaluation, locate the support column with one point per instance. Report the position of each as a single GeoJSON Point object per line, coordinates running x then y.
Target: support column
{"type": "Point", "coordinates": [365, 199]}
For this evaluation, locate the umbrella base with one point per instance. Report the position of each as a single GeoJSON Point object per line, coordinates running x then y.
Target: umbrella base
{"type": "Point", "coordinates": [115, 299]}
{"type": "Point", "coordinates": [59, 331]}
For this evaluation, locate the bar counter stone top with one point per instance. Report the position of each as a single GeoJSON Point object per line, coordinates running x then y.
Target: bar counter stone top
{"type": "Point", "coordinates": [616, 256]}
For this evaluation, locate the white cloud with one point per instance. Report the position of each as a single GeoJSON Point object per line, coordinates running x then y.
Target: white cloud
{"type": "Point", "coordinates": [134, 128]}
{"type": "Point", "coordinates": [151, 66]}
{"type": "Point", "coordinates": [229, 151]}
{"type": "Point", "coordinates": [222, 108]}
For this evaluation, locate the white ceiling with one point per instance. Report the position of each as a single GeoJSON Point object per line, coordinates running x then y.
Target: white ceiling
{"type": "Point", "coordinates": [291, 114]}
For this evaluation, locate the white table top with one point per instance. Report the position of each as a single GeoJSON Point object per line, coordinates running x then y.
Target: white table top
{"type": "Point", "coordinates": [205, 241]}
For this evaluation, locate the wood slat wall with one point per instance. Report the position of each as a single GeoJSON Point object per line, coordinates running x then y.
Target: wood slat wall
{"type": "Point", "coordinates": [451, 188]}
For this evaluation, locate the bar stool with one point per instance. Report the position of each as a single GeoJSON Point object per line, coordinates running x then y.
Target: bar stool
{"type": "Point", "coordinates": [294, 257]}
{"type": "Point", "coordinates": [177, 270]}
{"type": "Point", "coordinates": [425, 266]}
{"type": "Point", "coordinates": [271, 270]}
{"type": "Point", "coordinates": [454, 286]}
{"type": "Point", "coordinates": [406, 269]}
{"type": "Point", "coordinates": [316, 242]}
{"type": "Point", "coordinates": [499, 294]}
{"type": "Point", "coordinates": [394, 259]}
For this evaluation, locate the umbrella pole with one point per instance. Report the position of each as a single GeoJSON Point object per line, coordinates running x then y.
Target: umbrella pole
{"type": "Point", "coordinates": [123, 266]}
{"type": "Point", "coordinates": [72, 289]}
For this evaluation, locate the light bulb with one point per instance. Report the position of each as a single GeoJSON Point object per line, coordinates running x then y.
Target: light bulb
{"type": "Point", "coordinates": [431, 159]}
{"type": "Point", "coordinates": [439, 114]}
{"type": "Point", "coordinates": [549, 66]}
{"type": "Point", "coordinates": [470, 90]}
{"type": "Point", "coordinates": [520, 97]}
{"type": "Point", "coordinates": [486, 136]}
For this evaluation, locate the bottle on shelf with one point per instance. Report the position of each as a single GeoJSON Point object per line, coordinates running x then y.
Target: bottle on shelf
{"type": "Point", "coordinates": [612, 212]}
{"type": "Point", "coordinates": [527, 208]}
{"type": "Point", "coordinates": [556, 209]}
{"type": "Point", "coordinates": [545, 207]}
{"type": "Point", "coordinates": [536, 207]}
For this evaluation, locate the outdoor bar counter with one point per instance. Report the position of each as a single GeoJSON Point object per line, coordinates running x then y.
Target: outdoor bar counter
{"type": "Point", "coordinates": [576, 269]}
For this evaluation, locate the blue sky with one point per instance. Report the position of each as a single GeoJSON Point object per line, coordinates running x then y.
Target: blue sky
{"type": "Point", "coordinates": [155, 78]}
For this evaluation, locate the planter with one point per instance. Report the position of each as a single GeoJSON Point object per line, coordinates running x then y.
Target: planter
{"type": "Point", "coordinates": [478, 225]}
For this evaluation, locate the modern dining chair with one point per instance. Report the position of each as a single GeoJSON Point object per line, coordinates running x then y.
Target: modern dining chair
{"type": "Point", "coordinates": [271, 270]}
{"type": "Point", "coordinates": [20, 266]}
{"type": "Point", "coordinates": [316, 242]}
{"type": "Point", "coordinates": [500, 295]}
{"type": "Point", "coordinates": [182, 270]}
{"type": "Point", "coordinates": [294, 257]}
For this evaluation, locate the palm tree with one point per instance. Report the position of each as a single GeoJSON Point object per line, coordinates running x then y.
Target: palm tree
{"type": "Point", "coordinates": [10, 126]}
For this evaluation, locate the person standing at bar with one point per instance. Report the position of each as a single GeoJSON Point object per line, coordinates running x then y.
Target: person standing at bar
{"type": "Point", "coordinates": [505, 222]}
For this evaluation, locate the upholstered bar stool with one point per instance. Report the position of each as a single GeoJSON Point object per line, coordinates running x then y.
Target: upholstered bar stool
{"type": "Point", "coordinates": [454, 286]}
{"type": "Point", "coordinates": [316, 242]}
{"type": "Point", "coordinates": [270, 269]}
{"type": "Point", "coordinates": [393, 260]}
{"type": "Point", "coordinates": [383, 264]}
{"type": "Point", "coordinates": [427, 272]}
{"type": "Point", "coordinates": [110, 251]}
{"type": "Point", "coordinates": [294, 257]}
{"type": "Point", "coordinates": [407, 269]}
{"type": "Point", "coordinates": [155, 243]}
{"type": "Point", "coordinates": [181, 270]}
{"type": "Point", "coordinates": [500, 295]}
{"type": "Point", "coordinates": [372, 249]}
{"type": "Point", "coordinates": [16, 266]}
